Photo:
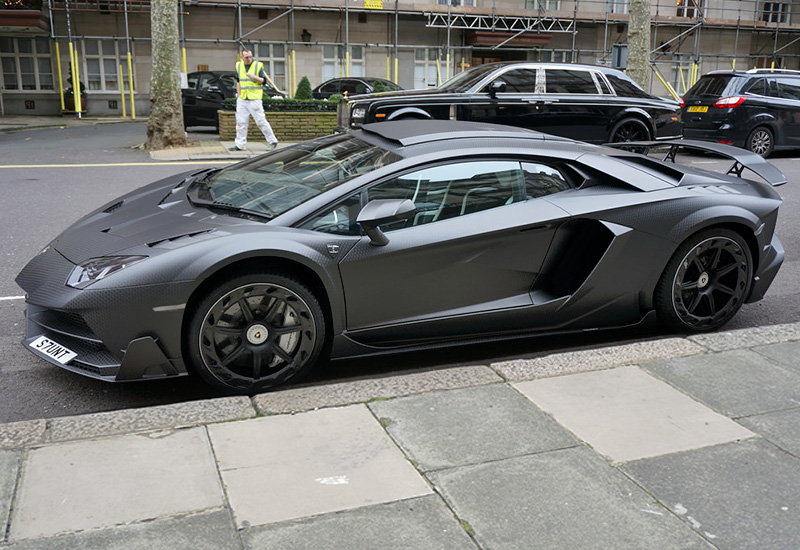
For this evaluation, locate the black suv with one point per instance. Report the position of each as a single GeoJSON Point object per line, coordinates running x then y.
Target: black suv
{"type": "Point", "coordinates": [757, 109]}
{"type": "Point", "coordinates": [584, 102]}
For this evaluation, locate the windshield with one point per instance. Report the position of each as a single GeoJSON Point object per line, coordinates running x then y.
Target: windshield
{"type": "Point", "coordinates": [270, 185]}
{"type": "Point", "coordinates": [711, 85]}
{"type": "Point", "coordinates": [465, 80]}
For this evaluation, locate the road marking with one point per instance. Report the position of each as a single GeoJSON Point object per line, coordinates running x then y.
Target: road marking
{"type": "Point", "coordinates": [206, 162]}
{"type": "Point", "coordinates": [705, 161]}
{"type": "Point", "coordinates": [12, 298]}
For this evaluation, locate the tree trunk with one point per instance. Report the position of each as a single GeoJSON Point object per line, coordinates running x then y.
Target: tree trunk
{"type": "Point", "coordinates": [165, 126]}
{"type": "Point", "coordinates": [639, 43]}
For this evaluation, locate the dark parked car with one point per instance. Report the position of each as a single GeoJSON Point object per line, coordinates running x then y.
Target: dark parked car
{"type": "Point", "coordinates": [352, 86]}
{"type": "Point", "coordinates": [206, 93]}
{"type": "Point", "coordinates": [398, 236]}
{"type": "Point", "coordinates": [588, 103]}
{"type": "Point", "coordinates": [757, 109]}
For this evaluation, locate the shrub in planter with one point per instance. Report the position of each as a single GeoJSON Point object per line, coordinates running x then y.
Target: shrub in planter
{"type": "Point", "coordinates": [287, 104]}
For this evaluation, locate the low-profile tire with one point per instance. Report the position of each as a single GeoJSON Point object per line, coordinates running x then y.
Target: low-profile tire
{"type": "Point", "coordinates": [761, 141]}
{"type": "Point", "coordinates": [254, 332]}
{"type": "Point", "coordinates": [630, 129]}
{"type": "Point", "coordinates": [705, 282]}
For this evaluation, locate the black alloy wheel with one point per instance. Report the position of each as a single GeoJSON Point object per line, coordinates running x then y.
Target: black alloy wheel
{"type": "Point", "coordinates": [630, 129]}
{"type": "Point", "coordinates": [256, 331]}
{"type": "Point", "coordinates": [761, 141]}
{"type": "Point", "coordinates": [705, 282]}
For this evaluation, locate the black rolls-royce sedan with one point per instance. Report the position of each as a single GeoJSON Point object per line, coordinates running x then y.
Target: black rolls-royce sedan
{"type": "Point", "coordinates": [584, 102]}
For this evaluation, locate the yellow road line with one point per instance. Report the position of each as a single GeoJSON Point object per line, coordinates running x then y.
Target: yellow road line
{"type": "Point", "coordinates": [167, 163]}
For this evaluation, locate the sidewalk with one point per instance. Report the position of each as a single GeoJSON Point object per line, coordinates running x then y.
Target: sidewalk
{"type": "Point", "coordinates": [673, 443]}
{"type": "Point", "coordinates": [208, 149]}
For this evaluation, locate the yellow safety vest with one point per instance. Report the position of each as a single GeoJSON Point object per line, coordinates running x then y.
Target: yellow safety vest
{"type": "Point", "coordinates": [248, 88]}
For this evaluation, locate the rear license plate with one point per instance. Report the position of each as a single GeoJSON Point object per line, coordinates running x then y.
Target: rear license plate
{"type": "Point", "coordinates": [53, 349]}
{"type": "Point", "coordinates": [698, 109]}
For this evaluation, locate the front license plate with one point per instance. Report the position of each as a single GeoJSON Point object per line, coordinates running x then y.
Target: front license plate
{"type": "Point", "coordinates": [53, 349]}
{"type": "Point", "coordinates": [698, 109]}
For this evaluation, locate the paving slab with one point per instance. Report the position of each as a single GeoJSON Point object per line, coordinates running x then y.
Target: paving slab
{"type": "Point", "coordinates": [748, 337]}
{"type": "Point", "coordinates": [781, 428]}
{"type": "Point", "coordinates": [739, 495]}
{"type": "Point", "coordinates": [466, 426]}
{"type": "Point", "coordinates": [413, 524]}
{"type": "Point", "coordinates": [9, 469]}
{"type": "Point", "coordinates": [292, 466]}
{"type": "Point", "coordinates": [359, 391]}
{"type": "Point", "coordinates": [736, 383]}
{"type": "Point", "coordinates": [786, 353]}
{"type": "Point", "coordinates": [626, 414]}
{"type": "Point", "coordinates": [205, 531]}
{"type": "Point", "coordinates": [104, 482]}
{"type": "Point", "coordinates": [594, 359]}
{"type": "Point", "coordinates": [559, 500]}
{"type": "Point", "coordinates": [176, 415]}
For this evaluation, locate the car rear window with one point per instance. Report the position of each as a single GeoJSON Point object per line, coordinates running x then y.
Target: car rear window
{"type": "Point", "coordinates": [711, 86]}
{"type": "Point", "coordinates": [625, 87]}
{"type": "Point", "coordinates": [561, 81]}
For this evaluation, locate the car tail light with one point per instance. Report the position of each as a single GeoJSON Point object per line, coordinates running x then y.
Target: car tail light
{"type": "Point", "coordinates": [724, 142]}
{"type": "Point", "coordinates": [729, 102]}
{"type": "Point", "coordinates": [683, 103]}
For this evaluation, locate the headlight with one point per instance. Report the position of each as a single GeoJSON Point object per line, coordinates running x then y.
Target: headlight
{"type": "Point", "coordinates": [358, 114]}
{"type": "Point", "coordinates": [95, 269]}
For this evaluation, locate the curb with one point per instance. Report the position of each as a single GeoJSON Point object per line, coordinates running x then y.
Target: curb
{"type": "Point", "coordinates": [35, 433]}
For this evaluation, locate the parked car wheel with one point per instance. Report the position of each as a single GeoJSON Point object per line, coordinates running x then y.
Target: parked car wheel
{"type": "Point", "coordinates": [706, 281]}
{"type": "Point", "coordinates": [254, 332]}
{"type": "Point", "coordinates": [761, 141]}
{"type": "Point", "coordinates": [629, 129]}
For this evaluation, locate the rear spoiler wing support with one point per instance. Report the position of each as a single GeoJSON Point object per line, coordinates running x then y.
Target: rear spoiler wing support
{"type": "Point", "coordinates": [742, 159]}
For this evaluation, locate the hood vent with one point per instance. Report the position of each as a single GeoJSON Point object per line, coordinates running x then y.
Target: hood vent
{"type": "Point", "coordinates": [180, 240]}
{"type": "Point", "coordinates": [113, 207]}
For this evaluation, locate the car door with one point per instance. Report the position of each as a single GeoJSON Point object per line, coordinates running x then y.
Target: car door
{"type": "Point", "coordinates": [787, 109]}
{"type": "Point", "coordinates": [463, 264]}
{"type": "Point", "coordinates": [210, 96]}
{"type": "Point", "coordinates": [572, 105]}
{"type": "Point", "coordinates": [189, 99]}
{"type": "Point", "coordinates": [516, 106]}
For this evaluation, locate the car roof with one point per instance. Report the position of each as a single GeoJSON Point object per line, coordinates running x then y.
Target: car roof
{"type": "Point", "coordinates": [414, 132]}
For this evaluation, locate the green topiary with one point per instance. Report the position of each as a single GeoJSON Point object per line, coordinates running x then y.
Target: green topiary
{"type": "Point", "coordinates": [303, 89]}
{"type": "Point", "coordinates": [378, 86]}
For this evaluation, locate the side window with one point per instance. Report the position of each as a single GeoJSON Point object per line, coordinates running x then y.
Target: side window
{"type": "Point", "coordinates": [192, 80]}
{"type": "Point", "coordinates": [349, 87]}
{"type": "Point", "coordinates": [757, 86]}
{"type": "Point", "coordinates": [206, 80]}
{"type": "Point", "coordinates": [330, 88]}
{"type": "Point", "coordinates": [359, 87]}
{"type": "Point", "coordinates": [519, 81]}
{"type": "Point", "coordinates": [453, 190]}
{"type": "Point", "coordinates": [604, 87]}
{"type": "Point", "coordinates": [229, 80]}
{"type": "Point", "coordinates": [541, 180]}
{"type": "Point", "coordinates": [339, 220]}
{"type": "Point", "coordinates": [789, 88]}
{"type": "Point", "coordinates": [567, 81]}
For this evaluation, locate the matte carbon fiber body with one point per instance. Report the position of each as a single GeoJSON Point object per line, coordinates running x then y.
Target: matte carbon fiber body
{"type": "Point", "coordinates": [590, 256]}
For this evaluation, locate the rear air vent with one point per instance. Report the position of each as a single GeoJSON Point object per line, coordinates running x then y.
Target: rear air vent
{"type": "Point", "coordinates": [115, 206]}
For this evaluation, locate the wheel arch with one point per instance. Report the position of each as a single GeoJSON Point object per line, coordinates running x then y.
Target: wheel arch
{"type": "Point", "coordinates": [634, 113]}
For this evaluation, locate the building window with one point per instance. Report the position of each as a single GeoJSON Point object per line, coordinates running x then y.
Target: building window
{"type": "Point", "coordinates": [775, 12]}
{"type": "Point", "coordinates": [26, 63]}
{"type": "Point", "coordinates": [456, 2]}
{"type": "Point", "coordinates": [333, 62]}
{"type": "Point", "coordinates": [616, 6]}
{"type": "Point", "coordinates": [273, 56]}
{"type": "Point", "coordinates": [688, 8]}
{"type": "Point", "coordinates": [425, 73]}
{"type": "Point", "coordinates": [104, 58]}
{"type": "Point", "coordinates": [547, 5]}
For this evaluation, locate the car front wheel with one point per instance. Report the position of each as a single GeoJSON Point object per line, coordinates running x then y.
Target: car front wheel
{"type": "Point", "coordinates": [254, 332]}
{"type": "Point", "coordinates": [705, 282]}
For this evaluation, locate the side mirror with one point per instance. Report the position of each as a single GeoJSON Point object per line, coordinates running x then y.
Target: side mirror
{"type": "Point", "coordinates": [382, 211]}
{"type": "Point", "coordinates": [497, 87]}
{"type": "Point", "coordinates": [215, 90]}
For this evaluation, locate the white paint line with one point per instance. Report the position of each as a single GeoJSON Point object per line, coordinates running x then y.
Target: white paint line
{"type": "Point", "coordinates": [705, 161]}
{"type": "Point", "coordinates": [2, 298]}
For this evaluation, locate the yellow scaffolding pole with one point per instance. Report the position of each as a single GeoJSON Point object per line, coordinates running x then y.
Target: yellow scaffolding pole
{"type": "Point", "coordinates": [294, 72]}
{"type": "Point", "coordinates": [388, 67]}
{"type": "Point", "coordinates": [130, 85]}
{"type": "Point", "coordinates": [60, 77]}
{"type": "Point", "coordinates": [347, 64]}
{"type": "Point", "coordinates": [683, 81]}
{"type": "Point", "coordinates": [438, 73]}
{"type": "Point", "coordinates": [396, 70]}
{"type": "Point", "coordinates": [183, 59]}
{"type": "Point", "coordinates": [121, 89]}
{"type": "Point", "coordinates": [447, 67]}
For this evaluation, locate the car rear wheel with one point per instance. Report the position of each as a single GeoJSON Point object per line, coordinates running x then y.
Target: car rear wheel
{"type": "Point", "coordinates": [630, 129]}
{"type": "Point", "coordinates": [254, 332]}
{"type": "Point", "coordinates": [761, 141]}
{"type": "Point", "coordinates": [705, 282]}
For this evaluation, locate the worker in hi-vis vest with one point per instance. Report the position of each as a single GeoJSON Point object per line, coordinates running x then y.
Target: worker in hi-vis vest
{"type": "Point", "coordinates": [250, 77]}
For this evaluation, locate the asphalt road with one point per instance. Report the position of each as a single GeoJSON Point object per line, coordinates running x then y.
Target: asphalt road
{"type": "Point", "coordinates": [51, 177]}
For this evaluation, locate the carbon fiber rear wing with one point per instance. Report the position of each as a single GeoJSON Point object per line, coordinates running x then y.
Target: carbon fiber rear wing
{"type": "Point", "coordinates": [741, 157]}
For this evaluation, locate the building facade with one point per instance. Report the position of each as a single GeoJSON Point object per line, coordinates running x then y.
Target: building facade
{"type": "Point", "coordinates": [417, 45]}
